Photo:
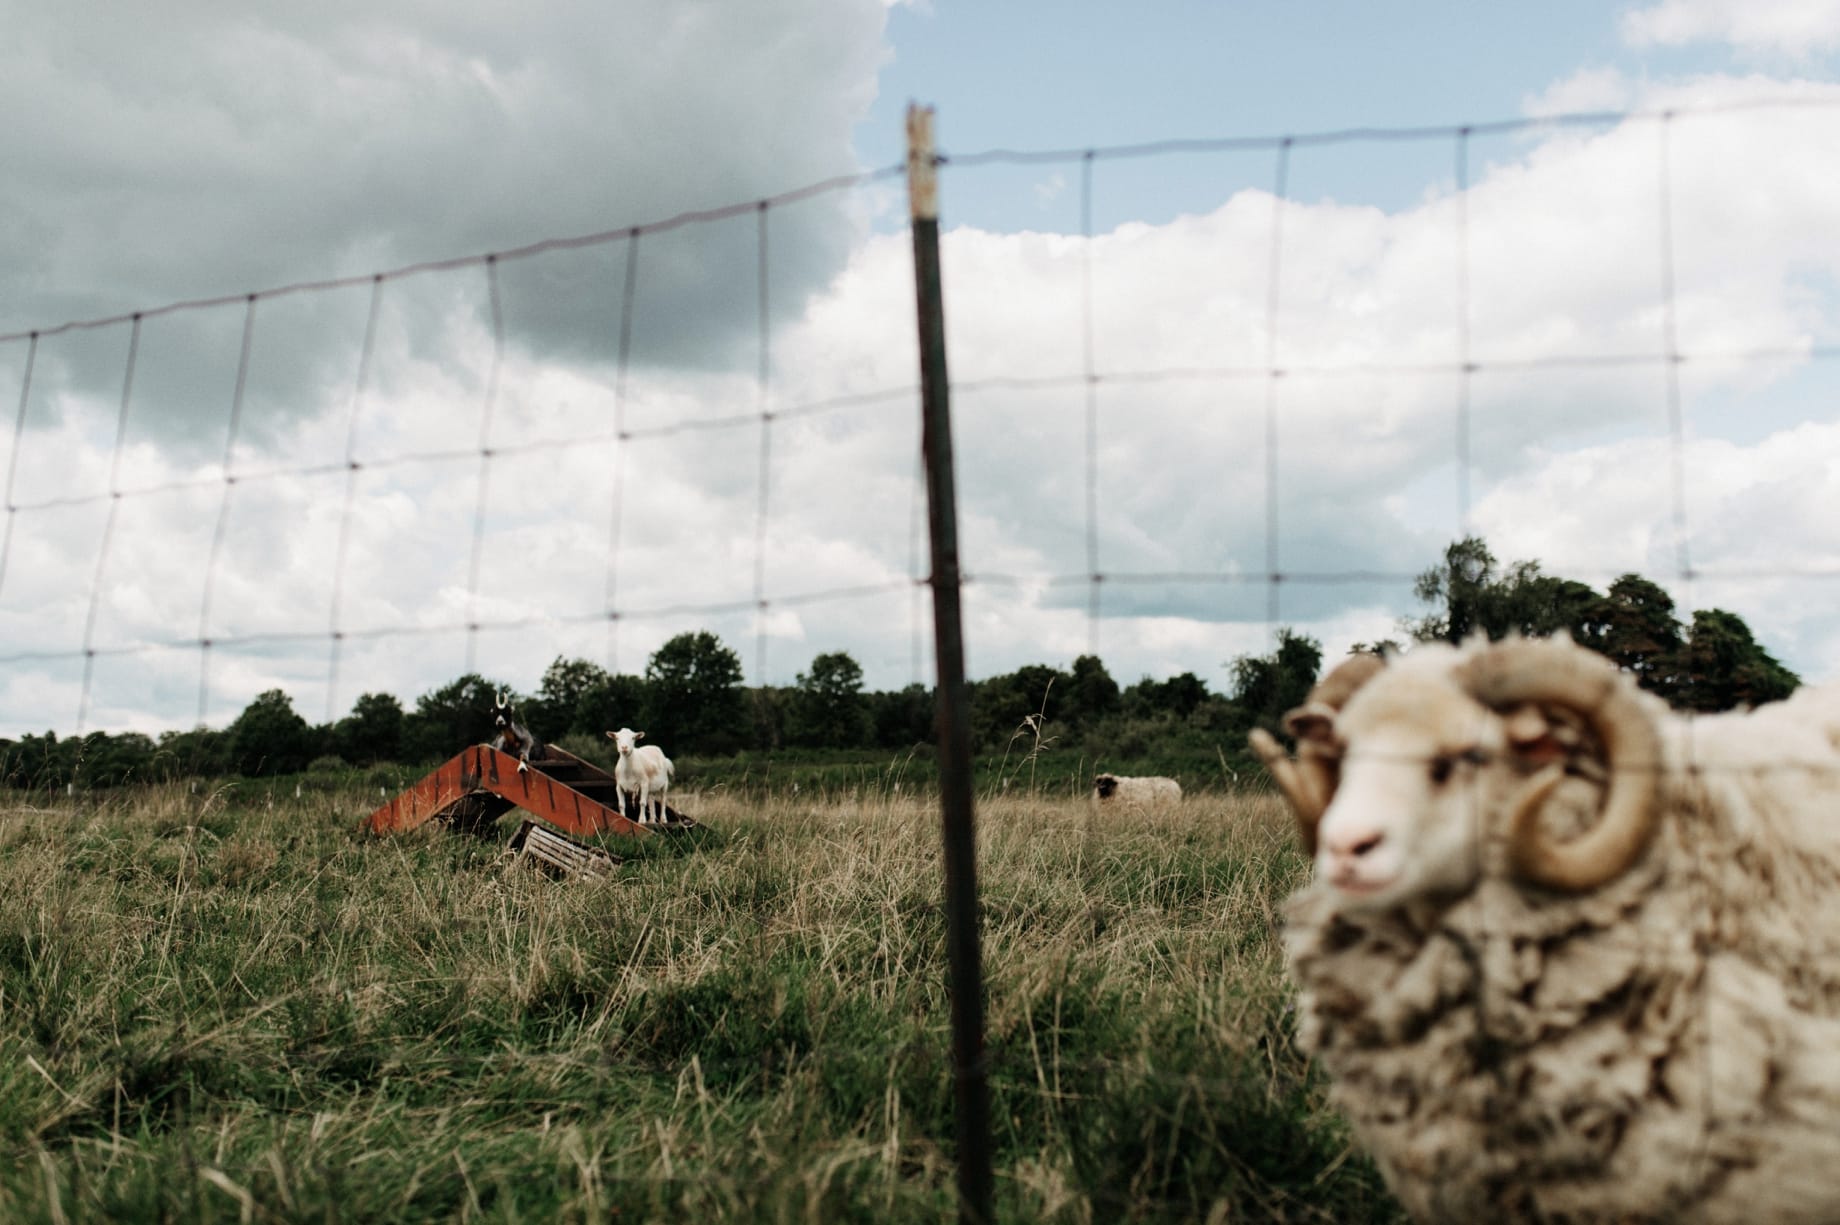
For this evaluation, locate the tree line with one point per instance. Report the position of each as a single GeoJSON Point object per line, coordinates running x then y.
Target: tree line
{"type": "Point", "coordinates": [691, 700]}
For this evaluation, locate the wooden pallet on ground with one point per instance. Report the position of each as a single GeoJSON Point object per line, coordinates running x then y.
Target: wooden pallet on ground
{"type": "Point", "coordinates": [558, 853]}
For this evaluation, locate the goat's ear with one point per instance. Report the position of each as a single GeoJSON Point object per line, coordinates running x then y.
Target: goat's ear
{"type": "Point", "coordinates": [1313, 721]}
{"type": "Point", "coordinates": [638, 735]}
{"type": "Point", "coordinates": [613, 735]}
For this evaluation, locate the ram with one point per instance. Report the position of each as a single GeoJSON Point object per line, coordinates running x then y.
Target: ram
{"type": "Point", "coordinates": [1567, 955]}
{"type": "Point", "coordinates": [1147, 792]}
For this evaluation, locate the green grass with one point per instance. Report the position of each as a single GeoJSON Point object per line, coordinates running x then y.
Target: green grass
{"type": "Point", "coordinates": [216, 1010]}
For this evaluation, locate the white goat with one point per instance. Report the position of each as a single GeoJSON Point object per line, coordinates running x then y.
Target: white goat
{"type": "Point", "coordinates": [1146, 792]}
{"type": "Point", "coordinates": [642, 769]}
{"type": "Point", "coordinates": [1569, 956]}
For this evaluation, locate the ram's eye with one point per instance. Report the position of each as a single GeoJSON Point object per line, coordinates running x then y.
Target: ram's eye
{"type": "Point", "coordinates": [1441, 766]}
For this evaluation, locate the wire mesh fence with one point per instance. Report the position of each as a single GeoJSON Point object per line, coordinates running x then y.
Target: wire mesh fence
{"type": "Point", "coordinates": [1185, 431]}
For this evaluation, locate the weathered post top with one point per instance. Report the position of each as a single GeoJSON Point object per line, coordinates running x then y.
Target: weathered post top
{"type": "Point", "coordinates": [922, 168]}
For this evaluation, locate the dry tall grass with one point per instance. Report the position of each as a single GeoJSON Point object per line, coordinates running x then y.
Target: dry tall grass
{"type": "Point", "coordinates": [212, 1009]}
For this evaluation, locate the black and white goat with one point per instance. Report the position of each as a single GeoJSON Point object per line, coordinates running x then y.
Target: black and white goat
{"type": "Point", "coordinates": [513, 736]}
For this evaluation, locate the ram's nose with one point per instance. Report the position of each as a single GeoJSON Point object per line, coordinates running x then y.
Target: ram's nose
{"type": "Point", "coordinates": [1345, 848]}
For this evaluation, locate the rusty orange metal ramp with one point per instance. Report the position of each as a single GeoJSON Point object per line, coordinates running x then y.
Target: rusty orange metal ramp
{"type": "Point", "coordinates": [481, 784]}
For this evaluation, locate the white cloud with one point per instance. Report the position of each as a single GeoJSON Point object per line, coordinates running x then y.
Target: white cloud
{"type": "Point", "coordinates": [1789, 27]}
{"type": "Point", "coordinates": [1587, 90]}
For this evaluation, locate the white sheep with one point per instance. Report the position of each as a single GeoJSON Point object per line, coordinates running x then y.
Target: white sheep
{"type": "Point", "coordinates": [641, 769]}
{"type": "Point", "coordinates": [1569, 956]}
{"type": "Point", "coordinates": [1146, 792]}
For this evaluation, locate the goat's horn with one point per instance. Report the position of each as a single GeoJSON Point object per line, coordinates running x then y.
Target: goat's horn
{"type": "Point", "coordinates": [1529, 670]}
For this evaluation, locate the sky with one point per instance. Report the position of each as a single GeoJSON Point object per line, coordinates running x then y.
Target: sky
{"type": "Point", "coordinates": [1562, 275]}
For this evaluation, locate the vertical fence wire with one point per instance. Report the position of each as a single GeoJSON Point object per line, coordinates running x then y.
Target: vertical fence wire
{"type": "Point", "coordinates": [481, 497]}
{"type": "Point", "coordinates": [1670, 340]}
{"type": "Point", "coordinates": [764, 477]}
{"type": "Point", "coordinates": [629, 292]}
{"type": "Point", "coordinates": [231, 433]}
{"type": "Point", "coordinates": [12, 468]}
{"type": "Point", "coordinates": [109, 521]}
{"type": "Point", "coordinates": [1090, 377]}
{"type": "Point", "coordinates": [1465, 369]}
{"type": "Point", "coordinates": [1701, 1155]}
{"type": "Point", "coordinates": [1280, 188]}
{"type": "Point", "coordinates": [336, 614]}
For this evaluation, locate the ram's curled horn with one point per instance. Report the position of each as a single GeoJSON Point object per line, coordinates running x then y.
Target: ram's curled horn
{"type": "Point", "coordinates": [1308, 783]}
{"type": "Point", "coordinates": [1299, 788]}
{"type": "Point", "coordinates": [1558, 674]}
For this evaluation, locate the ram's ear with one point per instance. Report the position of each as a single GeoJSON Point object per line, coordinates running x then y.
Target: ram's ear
{"type": "Point", "coordinates": [1312, 722]}
{"type": "Point", "coordinates": [1535, 737]}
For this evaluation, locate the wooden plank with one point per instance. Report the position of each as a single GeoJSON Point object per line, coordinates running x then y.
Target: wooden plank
{"type": "Point", "coordinates": [552, 849]}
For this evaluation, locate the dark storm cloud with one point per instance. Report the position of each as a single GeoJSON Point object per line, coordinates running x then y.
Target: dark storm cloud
{"type": "Point", "coordinates": [195, 151]}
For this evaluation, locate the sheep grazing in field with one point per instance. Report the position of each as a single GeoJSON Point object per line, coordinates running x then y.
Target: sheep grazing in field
{"type": "Point", "coordinates": [641, 769]}
{"type": "Point", "coordinates": [1569, 956]}
{"type": "Point", "coordinates": [513, 736]}
{"type": "Point", "coordinates": [1147, 792]}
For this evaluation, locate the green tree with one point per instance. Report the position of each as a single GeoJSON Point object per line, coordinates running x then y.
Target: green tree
{"type": "Point", "coordinates": [904, 717]}
{"type": "Point", "coordinates": [1472, 593]}
{"type": "Point", "coordinates": [1457, 590]}
{"type": "Point", "coordinates": [372, 732]}
{"type": "Point", "coordinates": [1722, 666]}
{"type": "Point", "coordinates": [40, 761]}
{"type": "Point", "coordinates": [270, 738]}
{"type": "Point", "coordinates": [697, 705]}
{"type": "Point", "coordinates": [453, 717]}
{"type": "Point", "coordinates": [609, 703]}
{"type": "Point", "coordinates": [1091, 694]}
{"type": "Point", "coordinates": [828, 709]}
{"type": "Point", "coordinates": [1638, 629]}
{"type": "Point", "coordinates": [1540, 605]}
{"type": "Point", "coordinates": [1174, 698]}
{"type": "Point", "coordinates": [766, 707]}
{"type": "Point", "coordinates": [1266, 686]}
{"type": "Point", "coordinates": [1001, 704]}
{"type": "Point", "coordinates": [113, 761]}
{"type": "Point", "coordinates": [1716, 664]}
{"type": "Point", "coordinates": [202, 752]}
{"type": "Point", "coordinates": [558, 704]}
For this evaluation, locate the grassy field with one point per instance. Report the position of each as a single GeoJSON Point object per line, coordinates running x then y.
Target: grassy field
{"type": "Point", "coordinates": [215, 1009]}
